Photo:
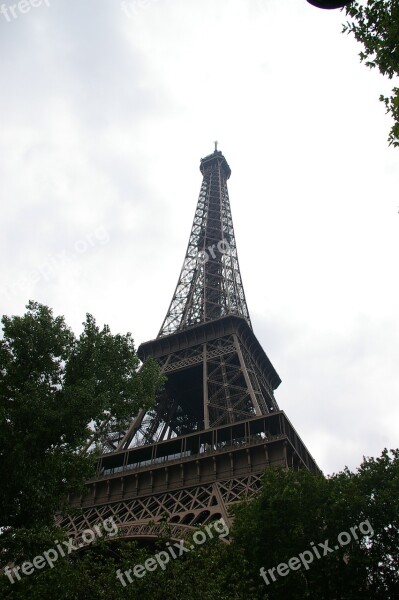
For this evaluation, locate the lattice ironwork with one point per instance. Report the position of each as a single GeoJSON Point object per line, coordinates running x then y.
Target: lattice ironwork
{"type": "Point", "coordinates": [209, 384]}
{"type": "Point", "coordinates": [185, 509]}
{"type": "Point", "coordinates": [213, 378]}
{"type": "Point", "coordinates": [216, 425]}
{"type": "Point", "coordinates": [210, 284]}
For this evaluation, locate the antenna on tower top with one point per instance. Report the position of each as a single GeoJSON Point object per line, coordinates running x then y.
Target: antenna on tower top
{"type": "Point", "coordinates": [216, 146]}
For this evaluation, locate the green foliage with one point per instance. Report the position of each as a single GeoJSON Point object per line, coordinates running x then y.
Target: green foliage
{"type": "Point", "coordinates": [210, 571]}
{"type": "Point", "coordinates": [58, 396]}
{"type": "Point", "coordinates": [375, 25]}
{"type": "Point", "coordinates": [292, 510]}
{"type": "Point", "coordinates": [296, 508]}
{"type": "Point", "coordinates": [86, 575]}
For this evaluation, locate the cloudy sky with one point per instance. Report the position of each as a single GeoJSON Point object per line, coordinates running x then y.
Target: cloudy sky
{"type": "Point", "coordinates": [106, 111]}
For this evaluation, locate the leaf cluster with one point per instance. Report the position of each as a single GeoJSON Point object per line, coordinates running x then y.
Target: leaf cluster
{"type": "Point", "coordinates": [296, 508]}
{"type": "Point", "coordinates": [59, 397]}
{"type": "Point", "coordinates": [375, 24]}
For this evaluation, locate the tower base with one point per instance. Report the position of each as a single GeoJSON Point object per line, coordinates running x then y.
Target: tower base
{"type": "Point", "coordinates": [187, 481]}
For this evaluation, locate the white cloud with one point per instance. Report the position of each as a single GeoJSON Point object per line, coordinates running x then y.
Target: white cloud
{"type": "Point", "coordinates": [105, 119]}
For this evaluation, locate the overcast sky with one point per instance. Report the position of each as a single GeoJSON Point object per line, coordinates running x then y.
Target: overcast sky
{"type": "Point", "coordinates": [105, 114]}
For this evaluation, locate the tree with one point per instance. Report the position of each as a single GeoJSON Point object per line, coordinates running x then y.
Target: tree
{"type": "Point", "coordinates": [376, 26]}
{"type": "Point", "coordinates": [297, 512]}
{"type": "Point", "coordinates": [210, 571]}
{"type": "Point", "coordinates": [59, 395]}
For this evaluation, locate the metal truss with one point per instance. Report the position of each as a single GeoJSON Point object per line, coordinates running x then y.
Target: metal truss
{"type": "Point", "coordinates": [183, 509]}
{"type": "Point", "coordinates": [210, 284]}
{"type": "Point", "coordinates": [209, 384]}
{"type": "Point", "coordinates": [218, 381]}
{"type": "Point", "coordinates": [216, 425]}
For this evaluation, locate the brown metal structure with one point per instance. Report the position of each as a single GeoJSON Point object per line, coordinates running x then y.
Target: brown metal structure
{"type": "Point", "coordinates": [216, 426]}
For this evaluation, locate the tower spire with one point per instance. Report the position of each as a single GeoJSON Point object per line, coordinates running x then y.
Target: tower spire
{"type": "Point", "coordinates": [210, 285]}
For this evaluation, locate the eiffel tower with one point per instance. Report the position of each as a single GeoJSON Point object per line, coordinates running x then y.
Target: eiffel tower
{"type": "Point", "coordinates": [216, 426]}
